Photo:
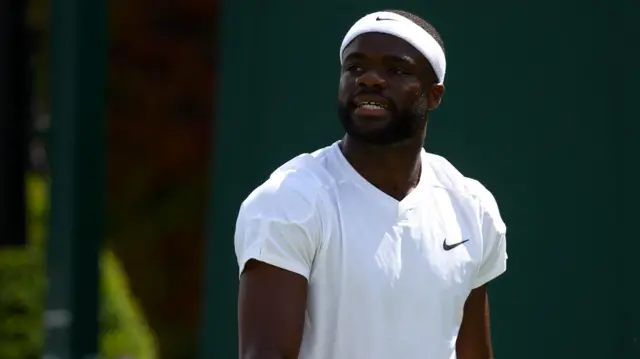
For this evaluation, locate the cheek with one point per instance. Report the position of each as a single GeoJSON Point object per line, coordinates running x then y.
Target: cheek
{"type": "Point", "coordinates": [345, 88]}
{"type": "Point", "coordinates": [412, 94]}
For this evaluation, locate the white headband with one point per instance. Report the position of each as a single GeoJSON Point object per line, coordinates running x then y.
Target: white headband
{"type": "Point", "coordinates": [399, 26]}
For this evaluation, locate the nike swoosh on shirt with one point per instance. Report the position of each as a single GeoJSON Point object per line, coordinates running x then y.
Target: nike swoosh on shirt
{"type": "Point", "coordinates": [448, 247]}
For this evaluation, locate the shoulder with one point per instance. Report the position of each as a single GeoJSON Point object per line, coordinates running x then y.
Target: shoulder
{"type": "Point", "coordinates": [445, 175]}
{"type": "Point", "coordinates": [293, 192]}
{"type": "Point", "coordinates": [488, 204]}
{"type": "Point", "coordinates": [281, 221]}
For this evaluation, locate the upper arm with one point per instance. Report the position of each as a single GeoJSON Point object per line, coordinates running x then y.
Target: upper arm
{"type": "Point", "coordinates": [474, 338]}
{"type": "Point", "coordinates": [277, 235]}
{"type": "Point", "coordinates": [271, 311]}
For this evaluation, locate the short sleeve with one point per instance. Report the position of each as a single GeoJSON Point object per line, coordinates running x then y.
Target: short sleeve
{"type": "Point", "coordinates": [279, 224]}
{"type": "Point", "coordinates": [494, 238]}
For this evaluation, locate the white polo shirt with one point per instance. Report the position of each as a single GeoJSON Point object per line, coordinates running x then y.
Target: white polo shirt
{"type": "Point", "coordinates": [387, 279]}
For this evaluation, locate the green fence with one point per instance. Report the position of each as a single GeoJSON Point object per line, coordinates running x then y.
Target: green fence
{"type": "Point", "coordinates": [537, 107]}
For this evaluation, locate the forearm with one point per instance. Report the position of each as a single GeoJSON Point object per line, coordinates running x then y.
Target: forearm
{"type": "Point", "coordinates": [474, 338]}
{"type": "Point", "coordinates": [262, 354]}
{"type": "Point", "coordinates": [467, 355]}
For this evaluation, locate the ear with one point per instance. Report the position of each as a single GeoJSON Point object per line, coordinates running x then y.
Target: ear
{"type": "Point", "coordinates": [435, 96]}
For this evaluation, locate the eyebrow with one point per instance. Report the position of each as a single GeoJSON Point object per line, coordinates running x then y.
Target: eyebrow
{"type": "Point", "coordinates": [354, 56]}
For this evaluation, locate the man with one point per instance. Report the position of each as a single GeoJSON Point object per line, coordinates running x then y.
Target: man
{"type": "Point", "coordinates": [372, 248]}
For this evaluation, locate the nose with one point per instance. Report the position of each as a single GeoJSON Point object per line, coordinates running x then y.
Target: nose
{"type": "Point", "coordinates": [371, 79]}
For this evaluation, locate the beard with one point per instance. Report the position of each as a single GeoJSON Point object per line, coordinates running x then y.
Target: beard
{"type": "Point", "coordinates": [402, 126]}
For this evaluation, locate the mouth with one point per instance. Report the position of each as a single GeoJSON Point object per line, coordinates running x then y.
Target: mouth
{"type": "Point", "coordinates": [372, 105]}
{"type": "Point", "coordinates": [371, 108]}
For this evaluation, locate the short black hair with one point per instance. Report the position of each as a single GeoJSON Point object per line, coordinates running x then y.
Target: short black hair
{"type": "Point", "coordinates": [424, 24]}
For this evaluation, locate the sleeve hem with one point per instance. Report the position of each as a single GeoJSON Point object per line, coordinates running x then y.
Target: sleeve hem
{"type": "Point", "coordinates": [496, 272]}
{"type": "Point", "coordinates": [257, 252]}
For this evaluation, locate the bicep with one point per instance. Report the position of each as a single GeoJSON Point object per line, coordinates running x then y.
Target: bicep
{"type": "Point", "coordinates": [271, 312]}
{"type": "Point", "coordinates": [278, 233]}
{"type": "Point", "coordinates": [474, 337]}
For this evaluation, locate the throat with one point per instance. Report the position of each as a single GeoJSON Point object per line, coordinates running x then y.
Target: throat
{"type": "Point", "coordinates": [394, 171]}
{"type": "Point", "coordinates": [397, 190]}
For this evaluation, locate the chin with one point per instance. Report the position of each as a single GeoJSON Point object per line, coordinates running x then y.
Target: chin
{"type": "Point", "coordinates": [371, 123]}
{"type": "Point", "coordinates": [378, 138]}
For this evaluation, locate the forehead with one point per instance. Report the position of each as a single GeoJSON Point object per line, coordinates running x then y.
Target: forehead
{"type": "Point", "coordinates": [382, 45]}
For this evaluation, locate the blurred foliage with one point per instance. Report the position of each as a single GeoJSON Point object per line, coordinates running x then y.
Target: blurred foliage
{"type": "Point", "coordinates": [124, 332]}
{"type": "Point", "coordinates": [22, 295]}
{"type": "Point", "coordinates": [161, 77]}
{"type": "Point", "coordinates": [22, 286]}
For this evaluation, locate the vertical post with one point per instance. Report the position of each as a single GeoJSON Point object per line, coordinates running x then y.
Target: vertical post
{"type": "Point", "coordinates": [14, 117]}
{"type": "Point", "coordinates": [78, 135]}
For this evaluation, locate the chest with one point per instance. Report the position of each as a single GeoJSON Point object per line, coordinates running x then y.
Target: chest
{"type": "Point", "coordinates": [432, 251]}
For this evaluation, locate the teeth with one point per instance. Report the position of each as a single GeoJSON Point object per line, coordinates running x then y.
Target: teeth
{"type": "Point", "coordinates": [371, 106]}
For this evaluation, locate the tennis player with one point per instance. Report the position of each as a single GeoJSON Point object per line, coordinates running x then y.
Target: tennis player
{"type": "Point", "coordinates": [372, 248]}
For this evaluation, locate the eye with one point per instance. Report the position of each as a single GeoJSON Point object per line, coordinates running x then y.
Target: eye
{"type": "Point", "coordinates": [354, 68]}
{"type": "Point", "coordinates": [398, 71]}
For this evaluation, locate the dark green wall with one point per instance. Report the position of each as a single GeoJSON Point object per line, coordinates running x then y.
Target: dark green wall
{"type": "Point", "coordinates": [539, 107]}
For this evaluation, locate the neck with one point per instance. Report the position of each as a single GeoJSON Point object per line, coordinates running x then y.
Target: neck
{"type": "Point", "coordinates": [394, 169]}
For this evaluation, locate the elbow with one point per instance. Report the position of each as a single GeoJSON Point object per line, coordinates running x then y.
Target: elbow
{"type": "Point", "coordinates": [260, 356]}
{"type": "Point", "coordinates": [263, 354]}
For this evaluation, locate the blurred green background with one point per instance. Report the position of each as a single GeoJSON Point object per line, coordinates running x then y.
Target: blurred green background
{"type": "Point", "coordinates": [160, 87]}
